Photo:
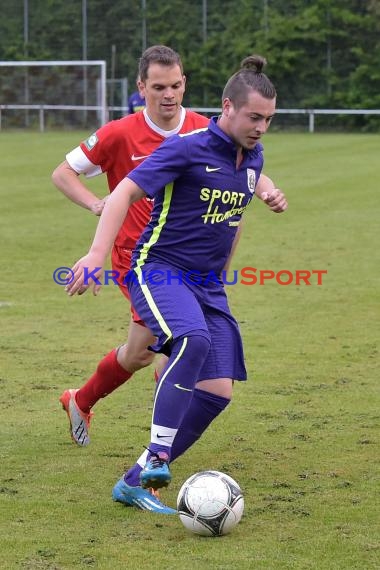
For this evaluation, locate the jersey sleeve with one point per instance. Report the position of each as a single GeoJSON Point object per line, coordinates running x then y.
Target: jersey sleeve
{"type": "Point", "coordinates": [163, 166]}
{"type": "Point", "coordinates": [99, 146]}
{"type": "Point", "coordinates": [81, 164]}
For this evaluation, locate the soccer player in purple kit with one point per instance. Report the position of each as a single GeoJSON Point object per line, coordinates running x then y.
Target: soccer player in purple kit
{"type": "Point", "coordinates": [201, 184]}
{"type": "Point", "coordinates": [136, 101]}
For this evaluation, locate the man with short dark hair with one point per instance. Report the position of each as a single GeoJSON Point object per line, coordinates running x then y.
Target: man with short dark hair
{"type": "Point", "coordinates": [201, 183]}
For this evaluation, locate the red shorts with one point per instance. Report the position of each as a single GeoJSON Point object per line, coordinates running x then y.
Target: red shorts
{"type": "Point", "coordinates": [121, 262]}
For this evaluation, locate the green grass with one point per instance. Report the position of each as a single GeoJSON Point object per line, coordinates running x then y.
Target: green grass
{"type": "Point", "coordinates": [301, 436]}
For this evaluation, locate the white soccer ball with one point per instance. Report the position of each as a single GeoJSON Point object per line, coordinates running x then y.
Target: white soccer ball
{"type": "Point", "coordinates": [210, 503]}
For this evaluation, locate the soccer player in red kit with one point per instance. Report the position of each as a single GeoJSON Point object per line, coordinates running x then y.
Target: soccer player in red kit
{"type": "Point", "coordinates": [115, 149]}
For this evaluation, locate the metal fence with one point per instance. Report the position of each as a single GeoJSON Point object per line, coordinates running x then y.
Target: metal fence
{"type": "Point", "coordinates": [102, 114]}
{"type": "Point", "coordinates": [310, 114]}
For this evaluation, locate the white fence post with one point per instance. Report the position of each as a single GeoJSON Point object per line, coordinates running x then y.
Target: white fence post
{"type": "Point", "coordinates": [311, 121]}
{"type": "Point", "coordinates": [42, 121]}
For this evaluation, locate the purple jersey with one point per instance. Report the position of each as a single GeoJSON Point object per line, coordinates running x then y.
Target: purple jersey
{"type": "Point", "coordinates": [199, 198]}
{"type": "Point", "coordinates": [136, 103]}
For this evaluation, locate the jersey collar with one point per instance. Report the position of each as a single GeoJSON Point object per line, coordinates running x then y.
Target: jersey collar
{"type": "Point", "coordinates": [162, 132]}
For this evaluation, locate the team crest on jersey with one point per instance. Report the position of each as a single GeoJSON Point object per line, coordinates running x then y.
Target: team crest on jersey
{"type": "Point", "coordinates": [91, 141]}
{"type": "Point", "coordinates": [251, 179]}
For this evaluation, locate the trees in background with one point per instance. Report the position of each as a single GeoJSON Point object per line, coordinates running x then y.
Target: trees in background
{"type": "Point", "coordinates": [321, 53]}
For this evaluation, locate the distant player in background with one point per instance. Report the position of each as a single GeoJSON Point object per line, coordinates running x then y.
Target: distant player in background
{"type": "Point", "coordinates": [136, 101]}
{"type": "Point", "coordinates": [201, 184]}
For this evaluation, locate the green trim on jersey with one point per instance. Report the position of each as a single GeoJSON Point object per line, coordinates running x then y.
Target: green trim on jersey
{"type": "Point", "coordinates": [168, 193]}
{"type": "Point", "coordinates": [152, 305]}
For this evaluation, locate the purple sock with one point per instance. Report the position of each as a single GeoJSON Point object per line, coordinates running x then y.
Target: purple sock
{"type": "Point", "coordinates": [132, 476]}
{"type": "Point", "coordinates": [204, 408]}
{"type": "Point", "coordinates": [174, 393]}
{"type": "Point", "coordinates": [175, 389]}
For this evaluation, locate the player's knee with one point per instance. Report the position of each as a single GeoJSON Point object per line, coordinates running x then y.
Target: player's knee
{"type": "Point", "coordinates": [199, 344]}
{"type": "Point", "coordinates": [136, 359]}
{"type": "Point", "coordinates": [143, 359]}
{"type": "Point", "coordinates": [218, 387]}
{"type": "Point", "coordinates": [194, 346]}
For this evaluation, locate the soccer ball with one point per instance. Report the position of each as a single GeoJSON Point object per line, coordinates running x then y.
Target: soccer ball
{"type": "Point", "coordinates": [210, 503]}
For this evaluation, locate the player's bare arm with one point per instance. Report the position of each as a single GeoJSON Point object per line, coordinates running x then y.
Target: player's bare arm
{"type": "Point", "coordinates": [272, 196]}
{"type": "Point", "coordinates": [69, 183]}
{"type": "Point", "coordinates": [276, 201]}
{"type": "Point", "coordinates": [115, 210]}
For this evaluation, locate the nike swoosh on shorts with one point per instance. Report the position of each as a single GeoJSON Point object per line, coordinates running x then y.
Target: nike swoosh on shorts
{"type": "Point", "coordinates": [182, 388]}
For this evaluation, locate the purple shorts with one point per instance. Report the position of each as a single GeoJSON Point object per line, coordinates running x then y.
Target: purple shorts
{"type": "Point", "coordinates": [172, 306]}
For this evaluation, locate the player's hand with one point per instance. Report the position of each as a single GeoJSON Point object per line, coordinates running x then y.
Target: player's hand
{"type": "Point", "coordinates": [275, 200]}
{"type": "Point", "coordinates": [87, 272]}
{"type": "Point", "coordinates": [97, 207]}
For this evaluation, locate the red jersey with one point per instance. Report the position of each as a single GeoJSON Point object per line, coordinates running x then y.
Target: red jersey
{"type": "Point", "coordinates": [118, 147]}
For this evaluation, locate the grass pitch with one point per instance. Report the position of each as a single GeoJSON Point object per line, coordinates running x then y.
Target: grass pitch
{"type": "Point", "coordinates": [301, 436]}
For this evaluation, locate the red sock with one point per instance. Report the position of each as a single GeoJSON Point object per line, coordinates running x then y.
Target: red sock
{"type": "Point", "coordinates": [109, 375]}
